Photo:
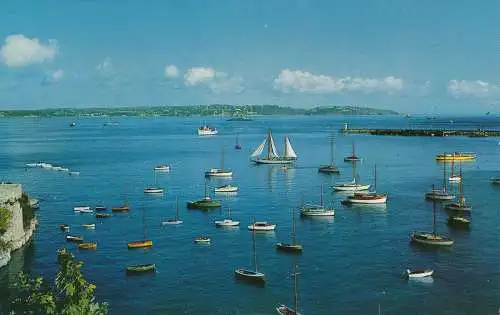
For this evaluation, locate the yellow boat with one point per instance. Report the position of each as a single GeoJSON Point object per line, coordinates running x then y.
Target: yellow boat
{"type": "Point", "coordinates": [139, 244]}
{"type": "Point", "coordinates": [87, 246]}
{"type": "Point", "coordinates": [456, 156]}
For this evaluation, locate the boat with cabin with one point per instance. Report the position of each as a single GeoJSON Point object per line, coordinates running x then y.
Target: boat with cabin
{"type": "Point", "coordinates": [88, 226]}
{"type": "Point", "coordinates": [154, 189]}
{"type": "Point", "coordinates": [144, 242]}
{"type": "Point", "coordinates": [456, 156]}
{"type": "Point", "coordinates": [74, 238]}
{"type": "Point", "coordinates": [206, 130]}
{"type": "Point", "coordinates": [176, 220]}
{"type": "Point", "coordinates": [202, 240]}
{"type": "Point", "coordinates": [228, 188]}
{"type": "Point", "coordinates": [431, 238]}
{"type": "Point", "coordinates": [273, 156]}
{"type": "Point", "coordinates": [314, 210]}
{"type": "Point", "coordinates": [367, 198]}
{"type": "Point", "coordinates": [293, 246]}
{"type": "Point", "coordinates": [219, 172]}
{"type": "Point", "coordinates": [84, 209]}
{"type": "Point", "coordinates": [454, 178]}
{"type": "Point", "coordinates": [263, 226]}
{"type": "Point", "coordinates": [227, 222]}
{"type": "Point", "coordinates": [162, 168]}
{"type": "Point", "coordinates": [330, 168]}
{"type": "Point", "coordinates": [458, 221]}
{"type": "Point", "coordinates": [248, 273]}
{"type": "Point", "coordinates": [419, 273]}
{"type": "Point", "coordinates": [139, 269]}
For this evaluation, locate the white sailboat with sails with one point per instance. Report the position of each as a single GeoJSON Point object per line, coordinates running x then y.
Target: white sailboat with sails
{"type": "Point", "coordinates": [273, 156]}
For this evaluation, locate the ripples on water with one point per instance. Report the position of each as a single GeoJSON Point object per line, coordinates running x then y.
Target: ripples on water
{"type": "Point", "coordinates": [350, 264]}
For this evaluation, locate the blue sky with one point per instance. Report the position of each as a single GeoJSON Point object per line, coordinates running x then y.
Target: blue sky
{"type": "Point", "coordinates": [410, 56]}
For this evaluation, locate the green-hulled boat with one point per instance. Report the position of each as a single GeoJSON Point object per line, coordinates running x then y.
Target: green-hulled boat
{"type": "Point", "coordinates": [204, 203]}
{"type": "Point", "coordinates": [103, 215]}
{"type": "Point", "coordinates": [138, 269]}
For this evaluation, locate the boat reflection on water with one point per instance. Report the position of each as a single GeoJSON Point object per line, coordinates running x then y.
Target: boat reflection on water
{"type": "Point", "coordinates": [425, 280]}
{"type": "Point", "coordinates": [375, 208]}
{"type": "Point", "coordinates": [227, 195]}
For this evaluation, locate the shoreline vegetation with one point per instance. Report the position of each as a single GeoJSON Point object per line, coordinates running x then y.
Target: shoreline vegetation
{"type": "Point", "coordinates": [198, 110]}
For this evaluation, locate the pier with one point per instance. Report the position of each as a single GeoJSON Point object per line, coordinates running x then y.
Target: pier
{"type": "Point", "coordinates": [410, 132]}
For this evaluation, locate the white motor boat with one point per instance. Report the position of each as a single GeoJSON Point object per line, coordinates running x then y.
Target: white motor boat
{"type": "Point", "coordinates": [162, 168]}
{"type": "Point", "coordinates": [424, 273]}
{"type": "Point", "coordinates": [226, 223]}
{"type": "Point", "coordinates": [207, 131]}
{"type": "Point", "coordinates": [262, 226]}
{"type": "Point", "coordinates": [89, 226]}
{"type": "Point", "coordinates": [218, 172]}
{"type": "Point", "coordinates": [455, 179]}
{"type": "Point", "coordinates": [74, 173]}
{"type": "Point", "coordinates": [226, 189]}
{"type": "Point", "coordinates": [153, 190]}
{"type": "Point", "coordinates": [308, 210]}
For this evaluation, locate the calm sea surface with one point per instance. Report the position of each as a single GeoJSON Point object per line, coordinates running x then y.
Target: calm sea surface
{"type": "Point", "coordinates": [350, 264]}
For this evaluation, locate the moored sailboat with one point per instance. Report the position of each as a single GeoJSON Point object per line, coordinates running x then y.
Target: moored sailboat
{"type": "Point", "coordinates": [454, 178]}
{"type": "Point", "coordinates": [249, 274]}
{"type": "Point", "coordinates": [286, 310]}
{"type": "Point", "coordinates": [314, 210]}
{"type": "Point", "coordinates": [205, 203]}
{"type": "Point", "coordinates": [227, 222]}
{"type": "Point", "coordinates": [461, 206]}
{"type": "Point", "coordinates": [353, 157]}
{"type": "Point", "coordinates": [219, 172]}
{"type": "Point", "coordinates": [153, 189]}
{"type": "Point", "coordinates": [144, 242]}
{"type": "Point", "coordinates": [273, 156]}
{"type": "Point", "coordinates": [176, 220]}
{"type": "Point", "coordinates": [330, 168]}
{"type": "Point", "coordinates": [440, 194]}
{"type": "Point", "coordinates": [431, 238]}
{"type": "Point", "coordinates": [367, 198]}
{"type": "Point", "coordinates": [293, 247]}
{"type": "Point", "coordinates": [353, 185]}
{"type": "Point", "coordinates": [237, 146]}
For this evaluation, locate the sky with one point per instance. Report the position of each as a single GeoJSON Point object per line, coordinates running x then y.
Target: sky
{"type": "Point", "coordinates": [409, 56]}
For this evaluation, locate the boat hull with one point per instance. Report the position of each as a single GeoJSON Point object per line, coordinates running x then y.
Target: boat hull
{"type": "Point", "coordinates": [329, 169]}
{"type": "Point", "coordinates": [365, 201]}
{"type": "Point", "coordinates": [457, 207]}
{"type": "Point", "coordinates": [88, 226]}
{"type": "Point", "coordinates": [140, 244]}
{"type": "Point", "coordinates": [140, 269]}
{"type": "Point", "coordinates": [289, 247]}
{"type": "Point", "coordinates": [277, 161]}
{"type": "Point", "coordinates": [351, 187]}
{"type": "Point", "coordinates": [439, 196]}
{"type": "Point", "coordinates": [103, 215]}
{"type": "Point", "coordinates": [226, 189]}
{"type": "Point", "coordinates": [74, 239]}
{"type": "Point", "coordinates": [153, 191]}
{"type": "Point", "coordinates": [285, 310]}
{"type": "Point", "coordinates": [227, 223]}
{"type": "Point", "coordinates": [218, 174]}
{"type": "Point", "coordinates": [87, 246]}
{"type": "Point", "coordinates": [427, 239]}
{"type": "Point", "coordinates": [418, 274]}
{"type": "Point", "coordinates": [172, 222]}
{"type": "Point", "coordinates": [266, 228]}
{"type": "Point", "coordinates": [458, 222]}
{"type": "Point", "coordinates": [203, 204]}
{"type": "Point", "coordinates": [250, 275]}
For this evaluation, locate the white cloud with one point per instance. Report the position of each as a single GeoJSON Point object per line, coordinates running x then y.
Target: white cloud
{"type": "Point", "coordinates": [171, 71]}
{"type": "Point", "coordinates": [478, 88]}
{"type": "Point", "coordinates": [105, 66]}
{"type": "Point", "coordinates": [304, 81]}
{"type": "Point", "coordinates": [197, 75]}
{"type": "Point", "coordinates": [52, 77]}
{"type": "Point", "coordinates": [20, 51]}
{"type": "Point", "coordinates": [217, 81]}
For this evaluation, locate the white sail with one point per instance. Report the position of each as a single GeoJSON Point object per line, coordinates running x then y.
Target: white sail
{"type": "Point", "coordinates": [259, 149]}
{"type": "Point", "coordinates": [274, 152]}
{"type": "Point", "coordinates": [289, 152]}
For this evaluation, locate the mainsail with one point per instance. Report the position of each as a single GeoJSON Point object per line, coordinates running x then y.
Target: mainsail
{"type": "Point", "coordinates": [273, 153]}
{"type": "Point", "coordinates": [289, 152]}
{"type": "Point", "coordinates": [259, 149]}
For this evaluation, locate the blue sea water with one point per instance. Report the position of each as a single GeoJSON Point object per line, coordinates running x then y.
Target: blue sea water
{"type": "Point", "coordinates": [350, 265]}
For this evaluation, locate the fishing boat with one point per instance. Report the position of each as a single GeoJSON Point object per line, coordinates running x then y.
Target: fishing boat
{"type": "Point", "coordinates": [461, 204]}
{"type": "Point", "coordinates": [293, 247]}
{"type": "Point", "coordinates": [206, 130]}
{"type": "Point", "coordinates": [138, 269]}
{"type": "Point", "coordinates": [431, 238]}
{"type": "Point", "coordinates": [353, 157]}
{"type": "Point", "coordinates": [100, 208]}
{"type": "Point", "coordinates": [312, 210]}
{"type": "Point", "coordinates": [419, 273]}
{"type": "Point", "coordinates": [440, 194]}
{"type": "Point", "coordinates": [227, 222]}
{"type": "Point", "coordinates": [144, 242]}
{"type": "Point", "coordinates": [249, 274]}
{"type": "Point", "coordinates": [454, 178]}
{"type": "Point", "coordinates": [204, 203]}
{"type": "Point", "coordinates": [153, 189]}
{"type": "Point", "coordinates": [262, 226]}
{"type": "Point", "coordinates": [367, 198]}
{"type": "Point", "coordinates": [237, 146]}
{"type": "Point", "coordinates": [89, 226]}
{"type": "Point", "coordinates": [330, 168]}
{"type": "Point", "coordinates": [202, 240]}
{"type": "Point", "coordinates": [353, 185]}
{"type": "Point", "coordinates": [456, 156]}
{"type": "Point", "coordinates": [82, 209]}
{"type": "Point", "coordinates": [176, 220]}
{"type": "Point", "coordinates": [286, 310]}
{"type": "Point", "coordinates": [162, 168]}
{"type": "Point", "coordinates": [64, 227]}
{"type": "Point", "coordinates": [226, 189]}
{"type": "Point", "coordinates": [458, 221]}
{"type": "Point", "coordinates": [87, 246]}
{"type": "Point", "coordinates": [273, 156]}
{"type": "Point", "coordinates": [495, 180]}
{"type": "Point", "coordinates": [219, 172]}
{"type": "Point", "coordinates": [74, 239]}
{"type": "Point", "coordinates": [103, 215]}
{"type": "Point", "coordinates": [122, 208]}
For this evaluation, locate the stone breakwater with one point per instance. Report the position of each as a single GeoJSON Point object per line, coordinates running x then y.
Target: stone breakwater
{"type": "Point", "coordinates": [16, 235]}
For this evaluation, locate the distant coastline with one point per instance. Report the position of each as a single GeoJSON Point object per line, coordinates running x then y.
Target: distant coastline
{"type": "Point", "coordinates": [197, 110]}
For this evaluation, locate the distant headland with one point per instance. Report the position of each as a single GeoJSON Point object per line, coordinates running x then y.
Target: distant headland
{"type": "Point", "coordinates": [197, 110]}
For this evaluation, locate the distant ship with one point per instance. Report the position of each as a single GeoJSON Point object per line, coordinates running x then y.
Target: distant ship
{"type": "Point", "coordinates": [207, 131]}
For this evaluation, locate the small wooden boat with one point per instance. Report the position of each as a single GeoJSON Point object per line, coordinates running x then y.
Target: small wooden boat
{"type": "Point", "coordinates": [176, 220]}
{"type": "Point", "coordinates": [103, 215]}
{"type": "Point", "coordinates": [423, 273]}
{"type": "Point", "coordinates": [144, 242]}
{"type": "Point", "coordinates": [162, 168]}
{"type": "Point", "coordinates": [458, 221]}
{"type": "Point", "coordinates": [88, 246]}
{"type": "Point", "coordinates": [64, 227]}
{"type": "Point", "coordinates": [138, 269]}
{"type": "Point", "coordinates": [100, 208]}
{"type": "Point", "coordinates": [262, 226]}
{"type": "Point", "coordinates": [226, 188]}
{"type": "Point", "coordinates": [73, 238]}
{"type": "Point", "coordinates": [202, 240]}
{"type": "Point", "coordinates": [123, 208]}
{"type": "Point", "coordinates": [89, 226]}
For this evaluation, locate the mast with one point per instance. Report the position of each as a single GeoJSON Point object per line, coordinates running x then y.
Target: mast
{"type": "Point", "coordinates": [375, 184]}
{"type": "Point", "coordinates": [269, 144]}
{"type": "Point", "coordinates": [295, 288]}
{"type": "Point", "coordinates": [331, 149]}
{"type": "Point", "coordinates": [254, 248]}
{"type": "Point", "coordinates": [434, 214]}
{"type": "Point", "coordinates": [321, 200]}
{"type": "Point", "coordinates": [206, 193]}
{"type": "Point", "coordinates": [144, 225]}
{"type": "Point", "coordinates": [461, 201]}
{"type": "Point", "coordinates": [222, 158]}
{"type": "Point", "coordinates": [354, 171]}
{"type": "Point", "coordinates": [294, 237]}
{"type": "Point", "coordinates": [229, 213]}
{"type": "Point", "coordinates": [177, 208]}
{"type": "Point", "coordinates": [444, 177]}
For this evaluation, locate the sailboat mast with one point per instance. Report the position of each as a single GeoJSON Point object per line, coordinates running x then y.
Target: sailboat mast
{"type": "Point", "coordinates": [444, 177]}
{"type": "Point", "coordinates": [144, 225]}
{"type": "Point", "coordinates": [295, 289]}
{"type": "Point", "coordinates": [254, 248]}
{"type": "Point", "coordinates": [177, 208]}
{"type": "Point", "coordinates": [434, 214]}
{"type": "Point", "coordinates": [461, 183]}
{"type": "Point", "coordinates": [321, 200]}
{"type": "Point", "coordinates": [331, 149]}
{"type": "Point", "coordinates": [354, 171]}
{"type": "Point", "coordinates": [294, 237]}
{"type": "Point", "coordinates": [222, 158]}
{"type": "Point", "coordinates": [269, 144]}
{"type": "Point", "coordinates": [375, 175]}
{"type": "Point", "coordinates": [206, 193]}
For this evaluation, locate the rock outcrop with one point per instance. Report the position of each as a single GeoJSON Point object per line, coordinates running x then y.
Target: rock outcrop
{"type": "Point", "coordinates": [16, 235]}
